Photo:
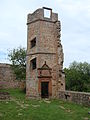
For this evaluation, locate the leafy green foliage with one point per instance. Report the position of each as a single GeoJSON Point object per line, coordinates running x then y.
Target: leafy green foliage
{"type": "Point", "coordinates": [78, 77]}
{"type": "Point", "coordinates": [18, 60]}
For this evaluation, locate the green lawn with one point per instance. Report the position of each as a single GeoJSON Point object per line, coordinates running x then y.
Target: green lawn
{"type": "Point", "coordinates": [18, 108]}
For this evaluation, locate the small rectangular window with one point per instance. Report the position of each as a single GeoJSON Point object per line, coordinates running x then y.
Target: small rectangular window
{"type": "Point", "coordinates": [33, 42]}
{"type": "Point", "coordinates": [33, 63]}
{"type": "Point", "coordinates": [47, 13]}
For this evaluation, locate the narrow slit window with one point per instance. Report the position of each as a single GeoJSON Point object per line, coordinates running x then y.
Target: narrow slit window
{"type": "Point", "coordinates": [33, 43]}
{"type": "Point", "coordinates": [33, 64]}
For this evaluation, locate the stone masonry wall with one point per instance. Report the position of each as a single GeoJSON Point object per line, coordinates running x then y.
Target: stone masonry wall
{"type": "Point", "coordinates": [7, 77]}
{"type": "Point", "coordinates": [48, 49]}
{"type": "Point", "coordinates": [77, 97]}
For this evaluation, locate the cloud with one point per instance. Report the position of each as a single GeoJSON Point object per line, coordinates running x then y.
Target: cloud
{"type": "Point", "coordinates": [3, 56]}
{"type": "Point", "coordinates": [75, 30]}
{"type": "Point", "coordinates": [75, 24]}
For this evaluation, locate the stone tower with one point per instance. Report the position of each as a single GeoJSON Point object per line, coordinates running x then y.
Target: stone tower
{"type": "Point", "coordinates": [44, 71]}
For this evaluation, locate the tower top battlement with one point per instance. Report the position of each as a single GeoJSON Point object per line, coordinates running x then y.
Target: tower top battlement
{"type": "Point", "coordinates": [44, 14]}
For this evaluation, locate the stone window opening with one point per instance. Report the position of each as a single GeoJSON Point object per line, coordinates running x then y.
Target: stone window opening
{"type": "Point", "coordinates": [33, 42]}
{"type": "Point", "coordinates": [33, 64]}
{"type": "Point", "coordinates": [47, 12]}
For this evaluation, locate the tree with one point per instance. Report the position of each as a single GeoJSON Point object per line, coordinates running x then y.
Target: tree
{"type": "Point", "coordinates": [78, 77]}
{"type": "Point", "coordinates": [18, 60]}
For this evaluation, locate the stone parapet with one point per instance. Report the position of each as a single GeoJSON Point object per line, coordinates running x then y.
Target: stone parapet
{"type": "Point", "coordinates": [39, 15]}
{"type": "Point", "coordinates": [77, 97]}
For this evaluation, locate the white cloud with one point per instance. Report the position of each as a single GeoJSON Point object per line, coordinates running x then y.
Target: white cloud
{"type": "Point", "coordinates": [75, 21]}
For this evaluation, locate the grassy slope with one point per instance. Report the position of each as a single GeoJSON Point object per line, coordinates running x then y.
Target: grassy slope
{"type": "Point", "coordinates": [20, 109]}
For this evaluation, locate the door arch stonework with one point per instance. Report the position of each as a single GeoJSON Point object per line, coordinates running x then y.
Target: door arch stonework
{"type": "Point", "coordinates": [44, 75]}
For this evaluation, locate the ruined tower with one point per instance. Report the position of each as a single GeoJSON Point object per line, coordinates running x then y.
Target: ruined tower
{"type": "Point", "coordinates": [44, 70]}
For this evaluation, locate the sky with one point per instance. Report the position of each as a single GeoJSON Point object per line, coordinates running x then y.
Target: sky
{"type": "Point", "coordinates": [75, 26]}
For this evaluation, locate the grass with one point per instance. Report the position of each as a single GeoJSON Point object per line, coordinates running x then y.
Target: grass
{"type": "Point", "coordinates": [18, 108]}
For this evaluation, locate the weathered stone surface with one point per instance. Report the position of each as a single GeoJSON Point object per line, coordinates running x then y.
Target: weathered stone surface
{"type": "Point", "coordinates": [8, 78]}
{"type": "Point", "coordinates": [48, 48]}
{"type": "Point", "coordinates": [77, 97]}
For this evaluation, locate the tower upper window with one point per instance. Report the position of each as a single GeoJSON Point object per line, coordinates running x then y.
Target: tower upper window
{"type": "Point", "coordinates": [33, 64]}
{"type": "Point", "coordinates": [47, 12]}
{"type": "Point", "coordinates": [33, 42]}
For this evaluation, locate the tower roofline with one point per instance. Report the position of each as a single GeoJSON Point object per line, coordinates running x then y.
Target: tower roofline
{"type": "Point", "coordinates": [47, 8]}
{"type": "Point", "coordinates": [39, 14]}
